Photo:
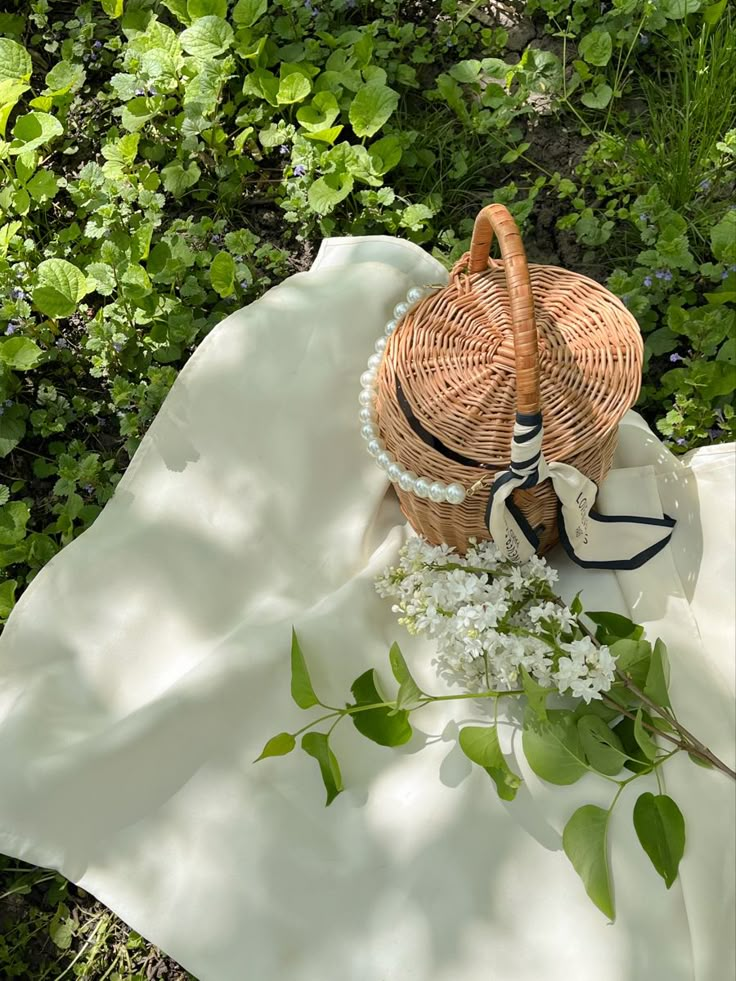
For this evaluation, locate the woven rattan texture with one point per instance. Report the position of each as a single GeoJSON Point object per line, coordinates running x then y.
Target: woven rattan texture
{"type": "Point", "coordinates": [454, 355]}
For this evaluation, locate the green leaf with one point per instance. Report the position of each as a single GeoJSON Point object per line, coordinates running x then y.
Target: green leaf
{"type": "Point", "coordinates": [247, 12]}
{"type": "Point", "coordinates": [7, 597]}
{"type": "Point", "coordinates": [612, 627]}
{"type": "Point", "coordinates": [316, 744]}
{"type": "Point", "coordinates": [596, 48]}
{"type": "Point", "coordinates": [480, 744]}
{"type": "Point", "coordinates": [113, 8]}
{"type": "Point", "coordinates": [320, 114]}
{"type": "Point", "coordinates": [723, 238]}
{"type": "Point", "coordinates": [293, 88]}
{"type": "Point", "coordinates": [20, 353]}
{"type": "Point", "coordinates": [637, 761]}
{"type": "Point", "coordinates": [15, 62]}
{"type": "Point", "coordinates": [207, 38]}
{"type": "Point", "coordinates": [42, 186]}
{"type": "Point", "coordinates": [585, 840]}
{"type": "Point", "coordinates": [658, 676]}
{"type": "Point", "coordinates": [328, 191]}
{"type": "Point", "coordinates": [12, 431]}
{"type": "Point", "coordinates": [100, 278]}
{"type": "Point", "coordinates": [325, 135]}
{"type": "Point", "coordinates": [371, 107]}
{"type": "Point", "coordinates": [206, 8]}
{"type": "Point", "coordinates": [13, 520]}
{"type": "Point", "coordinates": [33, 130]}
{"type": "Point", "coordinates": [645, 741]}
{"type": "Point", "coordinates": [553, 749]}
{"type": "Point", "coordinates": [279, 745]}
{"type": "Point", "coordinates": [222, 273]}
{"type": "Point", "coordinates": [61, 928]}
{"type": "Point", "coordinates": [660, 828]}
{"type": "Point", "coordinates": [385, 154]}
{"type": "Point", "coordinates": [64, 77]}
{"type": "Point", "coordinates": [601, 745]}
{"type": "Point", "coordinates": [598, 98]}
{"type": "Point", "coordinates": [633, 658]}
{"type": "Point", "coordinates": [410, 694]}
{"type": "Point", "coordinates": [59, 288]}
{"type": "Point", "coordinates": [301, 684]}
{"type": "Point", "coordinates": [384, 726]}
{"type": "Point", "coordinates": [678, 9]}
{"type": "Point", "coordinates": [536, 694]}
{"type": "Point", "coordinates": [712, 14]}
{"type": "Point", "coordinates": [178, 179]}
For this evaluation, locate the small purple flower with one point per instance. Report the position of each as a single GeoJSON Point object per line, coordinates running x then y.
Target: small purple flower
{"type": "Point", "coordinates": [724, 275]}
{"type": "Point", "coordinates": [674, 358]}
{"type": "Point", "coordinates": [88, 488]}
{"type": "Point", "coordinates": [152, 90]}
{"type": "Point", "coordinates": [714, 433]}
{"type": "Point", "coordinates": [644, 217]}
{"type": "Point", "coordinates": [244, 284]}
{"type": "Point", "coordinates": [647, 281]}
{"type": "Point", "coordinates": [283, 150]}
{"type": "Point", "coordinates": [139, 92]}
{"type": "Point", "coordinates": [11, 328]}
{"type": "Point", "coordinates": [664, 274]}
{"type": "Point", "coordinates": [705, 185]}
{"type": "Point", "coordinates": [681, 441]}
{"type": "Point", "coordinates": [216, 239]}
{"type": "Point", "coordinates": [300, 170]}
{"type": "Point", "coordinates": [17, 293]}
{"type": "Point", "coordinates": [644, 40]}
{"type": "Point", "coordinates": [118, 346]}
{"type": "Point", "coordinates": [93, 57]}
{"type": "Point", "coordinates": [62, 342]}
{"type": "Point", "coordinates": [97, 44]}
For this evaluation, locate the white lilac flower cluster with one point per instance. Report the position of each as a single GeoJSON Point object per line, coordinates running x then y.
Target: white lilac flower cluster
{"type": "Point", "coordinates": [491, 617]}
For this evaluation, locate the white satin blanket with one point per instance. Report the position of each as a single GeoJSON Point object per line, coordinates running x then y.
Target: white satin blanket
{"type": "Point", "coordinates": [147, 664]}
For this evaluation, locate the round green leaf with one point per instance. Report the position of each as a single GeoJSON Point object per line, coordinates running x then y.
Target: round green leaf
{"type": "Point", "coordinates": [33, 130]}
{"type": "Point", "coordinates": [328, 191]}
{"type": "Point", "coordinates": [207, 38]}
{"type": "Point", "coordinates": [15, 62]}
{"type": "Point", "coordinates": [293, 87]}
{"type": "Point", "coordinates": [598, 98]}
{"type": "Point", "coordinates": [320, 114]}
{"type": "Point", "coordinates": [63, 77]}
{"type": "Point", "coordinates": [20, 353]}
{"type": "Point", "coordinates": [585, 842]}
{"type": "Point", "coordinates": [247, 12]}
{"type": "Point", "coordinates": [660, 828]}
{"type": "Point", "coordinates": [205, 8]}
{"type": "Point", "coordinates": [59, 288]}
{"type": "Point", "coordinates": [371, 108]}
{"type": "Point", "coordinates": [596, 48]}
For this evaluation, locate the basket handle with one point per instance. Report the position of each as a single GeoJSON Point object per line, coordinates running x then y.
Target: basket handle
{"type": "Point", "coordinates": [496, 220]}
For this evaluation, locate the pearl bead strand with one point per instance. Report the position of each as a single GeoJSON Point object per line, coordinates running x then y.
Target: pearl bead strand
{"type": "Point", "coordinates": [422, 486]}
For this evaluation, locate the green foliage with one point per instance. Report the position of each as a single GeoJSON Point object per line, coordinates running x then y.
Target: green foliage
{"type": "Point", "coordinates": [480, 744]}
{"type": "Point", "coordinates": [660, 828]}
{"type": "Point", "coordinates": [585, 840]}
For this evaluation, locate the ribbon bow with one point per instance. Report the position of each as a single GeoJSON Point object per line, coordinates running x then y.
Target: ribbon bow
{"type": "Point", "coordinates": [592, 540]}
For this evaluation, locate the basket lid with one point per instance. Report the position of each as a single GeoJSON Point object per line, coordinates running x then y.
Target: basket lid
{"type": "Point", "coordinates": [452, 363]}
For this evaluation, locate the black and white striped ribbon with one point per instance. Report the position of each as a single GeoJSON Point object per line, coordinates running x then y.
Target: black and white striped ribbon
{"type": "Point", "coordinates": [593, 540]}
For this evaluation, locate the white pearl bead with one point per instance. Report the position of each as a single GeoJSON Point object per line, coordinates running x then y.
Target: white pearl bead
{"type": "Point", "coordinates": [380, 345]}
{"type": "Point", "coordinates": [421, 487]}
{"type": "Point", "coordinates": [367, 414]}
{"type": "Point", "coordinates": [368, 378]}
{"type": "Point", "coordinates": [407, 481]}
{"type": "Point", "coordinates": [400, 309]}
{"type": "Point", "coordinates": [415, 294]}
{"type": "Point", "coordinates": [384, 460]}
{"type": "Point", "coordinates": [437, 492]}
{"type": "Point", "coordinates": [369, 432]}
{"type": "Point", "coordinates": [373, 361]}
{"type": "Point", "coordinates": [367, 396]}
{"type": "Point", "coordinates": [391, 327]}
{"type": "Point", "coordinates": [375, 446]}
{"type": "Point", "coordinates": [394, 472]}
{"type": "Point", "coordinates": [455, 494]}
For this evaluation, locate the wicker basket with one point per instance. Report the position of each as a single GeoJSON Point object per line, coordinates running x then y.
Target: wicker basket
{"type": "Point", "coordinates": [503, 336]}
